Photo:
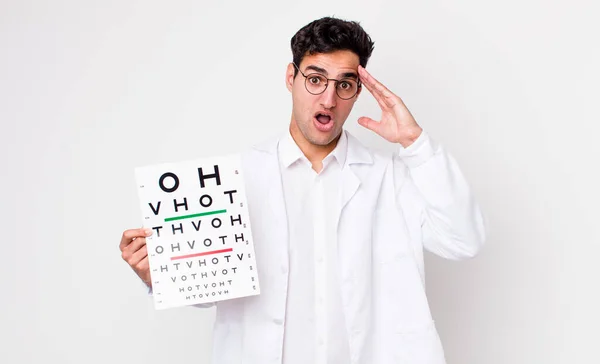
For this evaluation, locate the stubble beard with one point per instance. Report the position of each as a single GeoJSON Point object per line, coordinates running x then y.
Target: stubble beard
{"type": "Point", "coordinates": [306, 132]}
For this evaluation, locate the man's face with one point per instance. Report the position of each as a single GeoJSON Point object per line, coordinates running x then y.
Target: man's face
{"type": "Point", "coordinates": [318, 119]}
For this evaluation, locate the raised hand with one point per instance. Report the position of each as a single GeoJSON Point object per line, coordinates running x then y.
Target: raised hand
{"type": "Point", "coordinates": [397, 124]}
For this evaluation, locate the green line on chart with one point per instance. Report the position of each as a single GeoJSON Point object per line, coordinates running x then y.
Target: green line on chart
{"type": "Point", "coordinates": [195, 215]}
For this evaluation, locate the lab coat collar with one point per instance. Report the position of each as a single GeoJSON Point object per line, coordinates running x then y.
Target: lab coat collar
{"type": "Point", "coordinates": [356, 152]}
{"type": "Point", "coordinates": [289, 151]}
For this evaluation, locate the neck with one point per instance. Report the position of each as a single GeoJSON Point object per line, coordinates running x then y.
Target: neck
{"type": "Point", "coordinates": [314, 153]}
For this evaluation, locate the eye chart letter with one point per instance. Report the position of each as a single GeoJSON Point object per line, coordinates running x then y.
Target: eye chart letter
{"type": "Point", "coordinates": [201, 248]}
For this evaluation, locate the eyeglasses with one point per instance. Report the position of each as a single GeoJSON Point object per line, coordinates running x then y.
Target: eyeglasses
{"type": "Point", "coordinates": [316, 84]}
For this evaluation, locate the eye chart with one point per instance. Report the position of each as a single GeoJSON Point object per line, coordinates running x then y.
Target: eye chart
{"type": "Point", "coordinates": [201, 248]}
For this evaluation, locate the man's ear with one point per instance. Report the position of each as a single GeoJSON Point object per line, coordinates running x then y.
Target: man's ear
{"type": "Point", "coordinates": [289, 77]}
{"type": "Point", "coordinates": [359, 91]}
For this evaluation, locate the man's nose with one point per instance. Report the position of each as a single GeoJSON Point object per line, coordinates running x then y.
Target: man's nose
{"type": "Point", "coordinates": [329, 96]}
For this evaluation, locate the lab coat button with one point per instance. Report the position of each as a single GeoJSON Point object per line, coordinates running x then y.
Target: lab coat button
{"type": "Point", "coordinates": [278, 321]}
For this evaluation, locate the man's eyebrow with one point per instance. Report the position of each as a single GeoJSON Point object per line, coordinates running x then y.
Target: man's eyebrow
{"type": "Point", "coordinates": [317, 69]}
{"type": "Point", "coordinates": [324, 71]}
{"type": "Point", "coordinates": [349, 75]}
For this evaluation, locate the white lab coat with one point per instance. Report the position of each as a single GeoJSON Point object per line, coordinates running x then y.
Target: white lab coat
{"type": "Point", "coordinates": [392, 208]}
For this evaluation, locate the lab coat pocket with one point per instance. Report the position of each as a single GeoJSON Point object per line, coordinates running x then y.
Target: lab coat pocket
{"type": "Point", "coordinates": [419, 345]}
{"type": "Point", "coordinates": [403, 304]}
{"type": "Point", "coordinates": [403, 321]}
{"type": "Point", "coordinates": [228, 332]}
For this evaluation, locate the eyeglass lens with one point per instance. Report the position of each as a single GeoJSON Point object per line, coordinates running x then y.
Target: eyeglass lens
{"type": "Point", "coordinates": [317, 83]}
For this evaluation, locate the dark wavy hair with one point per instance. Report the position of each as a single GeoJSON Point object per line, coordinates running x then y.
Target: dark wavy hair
{"type": "Point", "coordinates": [329, 34]}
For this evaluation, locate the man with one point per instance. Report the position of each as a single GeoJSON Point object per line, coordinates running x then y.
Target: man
{"type": "Point", "coordinates": [339, 229]}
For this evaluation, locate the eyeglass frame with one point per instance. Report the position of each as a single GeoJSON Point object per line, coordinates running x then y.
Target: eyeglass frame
{"type": "Point", "coordinates": [358, 83]}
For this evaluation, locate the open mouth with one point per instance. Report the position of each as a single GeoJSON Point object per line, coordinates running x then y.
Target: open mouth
{"type": "Point", "coordinates": [323, 122]}
{"type": "Point", "coordinates": [322, 118]}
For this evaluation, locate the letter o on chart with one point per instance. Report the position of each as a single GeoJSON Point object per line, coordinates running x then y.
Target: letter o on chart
{"type": "Point", "coordinates": [161, 182]}
{"type": "Point", "coordinates": [203, 197]}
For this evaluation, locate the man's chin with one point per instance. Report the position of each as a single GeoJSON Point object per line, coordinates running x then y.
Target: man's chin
{"type": "Point", "coordinates": [325, 140]}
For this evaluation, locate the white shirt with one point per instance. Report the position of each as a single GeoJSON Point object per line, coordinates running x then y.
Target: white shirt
{"type": "Point", "coordinates": [315, 330]}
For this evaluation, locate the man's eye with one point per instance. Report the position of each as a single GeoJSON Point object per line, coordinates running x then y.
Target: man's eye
{"type": "Point", "coordinates": [315, 80]}
{"type": "Point", "coordinates": [345, 85]}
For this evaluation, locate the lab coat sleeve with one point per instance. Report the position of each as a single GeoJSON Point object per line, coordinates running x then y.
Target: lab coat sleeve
{"type": "Point", "coordinates": [452, 224]}
{"type": "Point", "coordinates": [201, 305]}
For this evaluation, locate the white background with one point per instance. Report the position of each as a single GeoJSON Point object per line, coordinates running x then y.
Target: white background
{"type": "Point", "coordinates": [91, 90]}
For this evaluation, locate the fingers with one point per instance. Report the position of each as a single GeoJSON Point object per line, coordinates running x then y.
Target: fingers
{"type": "Point", "coordinates": [368, 80]}
{"type": "Point", "coordinates": [135, 252]}
{"type": "Point", "coordinates": [138, 256]}
{"type": "Point", "coordinates": [370, 124]}
{"type": "Point", "coordinates": [384, 102]}
{"type": "Point", "coordinates": [142, 269]}
{"type": "Point", "coordinates": [131, 234]}
{"type": "Point", "coordinates": [385, 98]}
{"type": "Point", "coordinates": [128, 252]}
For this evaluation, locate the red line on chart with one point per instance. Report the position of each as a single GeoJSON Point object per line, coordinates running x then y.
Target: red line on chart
{"type": "Point", "coordinates": [202, 254]}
